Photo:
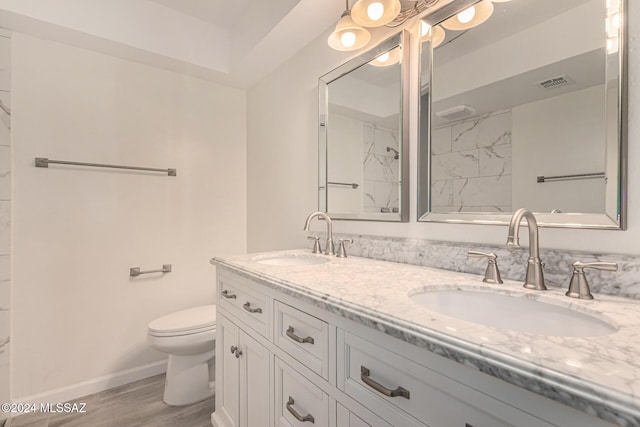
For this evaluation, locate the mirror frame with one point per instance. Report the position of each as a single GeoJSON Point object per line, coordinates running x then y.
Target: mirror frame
{"type": "Point", "coordinates": [400, 39]}
{"type": "Point", "coordinates": [557, 220]}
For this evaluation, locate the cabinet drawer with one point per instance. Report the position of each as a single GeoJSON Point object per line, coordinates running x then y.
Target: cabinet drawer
{"type": "Point", "coordinates": [251, 306]}
{"type": "Point", "coordinates": [299, 403]}
{"type": "Point", "coordinates": [386, 382]}
{"type": "Point", "coordinates": [304, 337]}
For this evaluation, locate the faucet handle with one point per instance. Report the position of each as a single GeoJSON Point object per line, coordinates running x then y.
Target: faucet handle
{"type": "Point", "coordinates": [578, 286]}
{"type": "Point", "coordinates": [342, 251]}
{"type": "Point", "coordinates": [492, 273]}
{"type": "Point", "coordinates": [316, 244]}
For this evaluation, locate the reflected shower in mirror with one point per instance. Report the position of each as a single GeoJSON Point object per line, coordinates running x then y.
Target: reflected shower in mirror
{"type": "Point", "coordinates": [525, 110]}
{"type": "Point", "coordinates": [362, 148]}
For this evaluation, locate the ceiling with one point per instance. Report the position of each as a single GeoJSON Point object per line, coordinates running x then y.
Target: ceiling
{"type": "Point", "coordinates": [237, 42]}
{"type": "Point", "coordinates": [216, 12]}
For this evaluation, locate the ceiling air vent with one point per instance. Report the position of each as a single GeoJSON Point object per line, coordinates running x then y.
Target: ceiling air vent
{"type": "Point", "coordinates": [554, 82]}
{"type": "Point", "coordinates": [457, 112]}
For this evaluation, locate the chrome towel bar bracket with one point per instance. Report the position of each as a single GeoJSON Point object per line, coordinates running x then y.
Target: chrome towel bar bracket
{"type": "Point", "coordinates": [135, 271]}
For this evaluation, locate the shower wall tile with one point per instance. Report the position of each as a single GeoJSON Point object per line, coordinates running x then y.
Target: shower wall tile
{"type": "Point", "coordinates": [463, 164]}
{"type": "Point", "coordinates": [484, 131]}
{"type": "Point", "coordinates": [472, 158]}
{"type": "Point", "coordinates": [5, 227]}
{"type": "Point", "coordinates": [442, 193]}
{"type": "Point", "coordinates": [368, 138]}
{"type": "Point", "coordinates": [477, 191]}
{"type": "Point", "coordinates": [5, 62]}
{"type": "Point", "coordinates": [5, 172]}
{"type": "Point", "coordinates": [369, 190]}
{"type": "Point", "coordinates": [5, 215]}
{"type": "Point", "coordinates": [495, 161]}
{"type": "Point", "coordinates": [441, 141]}
{"type": "Point", "coordinates": [5, 118]}
{"type": "Point", "coordinates": [386, 138]}
{"type": "Point", "coordinates": [4, 391]}
{"type": "Point", "coordinates": [380, 169]}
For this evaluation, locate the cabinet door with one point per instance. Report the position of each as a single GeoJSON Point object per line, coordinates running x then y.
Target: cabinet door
{"type": "Point", "coordinates": [346, 418]}
{"type": "Point", "coordinates": [256, 395]}
{"type": "Point", "coordinates": [227, 412]}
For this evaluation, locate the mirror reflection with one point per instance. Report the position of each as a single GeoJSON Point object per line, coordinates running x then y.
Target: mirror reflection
{"type": "Point", "coordinates": [361, 137]}
{"type": "Point", "coordinates": [522, 112]}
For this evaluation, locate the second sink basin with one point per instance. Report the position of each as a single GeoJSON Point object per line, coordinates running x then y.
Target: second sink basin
{"type": "Point", "coordinates": [290, 259]}
{"type": "Point", "coordinates": [513, 312]}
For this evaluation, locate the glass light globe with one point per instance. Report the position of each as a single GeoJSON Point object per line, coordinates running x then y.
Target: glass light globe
{"type": "Point", "coordinates": [467, 15]}
{"type": "Point", "coordinates": [424, 28]}
{"type": "Point", "coordinates": [383, 58]}
{"type": "Point", "coordinates": [375, 11]}
{"type": "Point", "coordinates": [348, 38]}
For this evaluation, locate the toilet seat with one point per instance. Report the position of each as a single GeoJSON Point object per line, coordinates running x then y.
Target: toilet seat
{"type": "Point", "coordinates": [186, 322]}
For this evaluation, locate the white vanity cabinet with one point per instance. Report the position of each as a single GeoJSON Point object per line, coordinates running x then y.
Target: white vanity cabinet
{"type": "Point", "coordinates": [243, 378]}
{"type": "Point", "coordinates": [296, 365]}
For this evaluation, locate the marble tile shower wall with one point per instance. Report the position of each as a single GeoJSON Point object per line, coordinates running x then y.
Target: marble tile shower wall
{"type": "Point", "coordinates": [471, 165]}
{"type": "Point", "coordinates": [381, 173]}
{"type": "Point", "coordinates": [512, 262]}
{"type": "Point", "coordinates": [5, 212]}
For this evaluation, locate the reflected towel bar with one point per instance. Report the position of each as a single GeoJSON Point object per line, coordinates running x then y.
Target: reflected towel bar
{"type": "Point", "coordinates": [568, 177]}
{"type": "Point", "coordinates": [135, 271]}
{"type": "Point", "coordinates": [352, 185]}
{"type": "Point", "coordinates": [43, 162]}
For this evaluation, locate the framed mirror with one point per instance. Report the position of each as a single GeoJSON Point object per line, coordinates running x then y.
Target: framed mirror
{"type": "Point", "coordinates": [523, 104]}
{"type": "Point", "coordinates": [363, 136]}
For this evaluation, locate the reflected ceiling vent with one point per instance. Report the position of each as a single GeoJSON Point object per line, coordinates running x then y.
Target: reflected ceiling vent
{"type": "Point", "coordinates": [557, 81]}
{"type": "Point", "coordinates": [456, 113]}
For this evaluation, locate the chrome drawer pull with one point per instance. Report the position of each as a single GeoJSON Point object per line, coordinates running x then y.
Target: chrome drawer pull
{"type": "Point", "coordinates": [400, 391]}
{"type": "Point", "coordinates": [295, 413]}
{"type": "Point", "coordinates": [226, 294]}
{"type": "Point", "coordinates": [247, 306]}
{"type": "Point", "coordinates": [296, 338]}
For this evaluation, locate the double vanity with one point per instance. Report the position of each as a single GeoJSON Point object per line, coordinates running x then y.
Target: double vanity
{"type": "Point", "coordinates": [310, 339]}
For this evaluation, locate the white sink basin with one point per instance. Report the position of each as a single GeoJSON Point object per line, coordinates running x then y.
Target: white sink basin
{"type": "Point", "coordinates": [290, 259]}
{"type": "Point", "coordinates": [513, 312]}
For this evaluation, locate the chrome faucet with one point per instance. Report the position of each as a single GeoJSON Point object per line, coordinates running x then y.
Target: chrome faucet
{"type": "Point", "coordinates": [534, 278]}
{"type": "Point", "coordinates": [329, 250]}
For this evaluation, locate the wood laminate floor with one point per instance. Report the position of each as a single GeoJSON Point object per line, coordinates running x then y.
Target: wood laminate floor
{"type": "Point", "coordinates": [131, 405]}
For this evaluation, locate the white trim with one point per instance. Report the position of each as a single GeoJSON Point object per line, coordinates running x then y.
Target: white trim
{"type": "Point", "coordinates": [106, 382]}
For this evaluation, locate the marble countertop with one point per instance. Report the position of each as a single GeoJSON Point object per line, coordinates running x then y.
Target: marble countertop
{"type": "Point", "coordinates": [598, 375]}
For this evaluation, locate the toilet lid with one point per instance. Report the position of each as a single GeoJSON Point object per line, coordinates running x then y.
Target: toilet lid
{"type": "Point", "coordinates": [196, 318]}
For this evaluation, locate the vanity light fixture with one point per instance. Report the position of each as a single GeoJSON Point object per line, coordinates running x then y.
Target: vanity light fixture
{"type": "Point", "coordinates": [434, 34]}
{"type": "Point", "coordinates": [348, 35]}
{"type": "Point", "coordinates": [375, 13]}
{"type": "Point", "coordinates": [386, 59]}
{"type": "Point", "coordinates": [470, 17]}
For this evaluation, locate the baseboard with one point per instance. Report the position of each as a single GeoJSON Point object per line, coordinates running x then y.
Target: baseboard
{"type": "Point", "coordinates": [96, 385]}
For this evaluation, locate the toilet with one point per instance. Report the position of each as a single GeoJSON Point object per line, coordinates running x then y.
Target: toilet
{"type": "Point", "coordinates": [188, 336]}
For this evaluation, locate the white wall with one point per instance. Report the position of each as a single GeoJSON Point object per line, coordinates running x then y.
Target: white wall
{"type": "Point", "coordinates": [546, 134]}
{"type": "Point", "coordinates": [345, 151]}
{"type": "Point", "coordinates": [77, 314]}
{"type": "Point", "coordinates": [282, 163]}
